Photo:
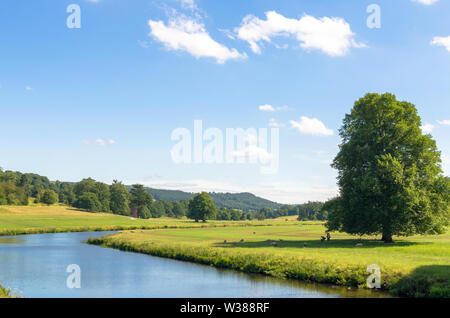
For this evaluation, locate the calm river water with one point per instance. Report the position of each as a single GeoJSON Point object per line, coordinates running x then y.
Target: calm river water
{"type": "Point", "coordinates": [35, 266]}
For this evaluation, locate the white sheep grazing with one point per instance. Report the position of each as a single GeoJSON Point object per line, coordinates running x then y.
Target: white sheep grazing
{"type": "Point", "coordinates": [359, 245]}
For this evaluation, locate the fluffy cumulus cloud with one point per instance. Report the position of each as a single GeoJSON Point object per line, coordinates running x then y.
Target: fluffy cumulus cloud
{"type": "Point", "coordinates": [441, 41]}
{"type": "Point", "coordinates": [332, 36]}
{"type": "Point", "coordinates": [427, 128]}
{"type": "Point", "coordinates": [311, 126]}
{"type": "Point", "coordinates": [444, 122]}
{"type": "Point", "coordinates": [185, 34]}
{"type": "Point", "coordinates": [426, 2]}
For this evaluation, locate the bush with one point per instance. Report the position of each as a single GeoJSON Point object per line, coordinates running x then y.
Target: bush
{"type": "Point", "coordinates": [88, 201]}
{"type": "Point", "coordinates": [48, 197]}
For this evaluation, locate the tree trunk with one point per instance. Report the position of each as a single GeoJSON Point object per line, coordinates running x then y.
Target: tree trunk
{"type": "Point", "coordinates": [387, 237]}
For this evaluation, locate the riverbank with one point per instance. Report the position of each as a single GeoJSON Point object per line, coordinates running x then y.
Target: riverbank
{"type": "Point", "coordinates": [418, 267]}
{"type": "Point", "coordinates": [5, 293]}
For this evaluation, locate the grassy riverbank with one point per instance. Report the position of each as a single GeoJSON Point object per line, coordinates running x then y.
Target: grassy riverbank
{"type": "Point", "coordinates": [4, 293]}
{"type": "Point", "coordinates": [413, 267]}
{"type": "Point", "coordinates": [18, 220]}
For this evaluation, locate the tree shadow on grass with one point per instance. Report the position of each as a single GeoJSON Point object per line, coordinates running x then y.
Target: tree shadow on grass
{"type": "Point", "coordinates": [425, 281]}
{"type": "Point", "coordinates": [348, 243]}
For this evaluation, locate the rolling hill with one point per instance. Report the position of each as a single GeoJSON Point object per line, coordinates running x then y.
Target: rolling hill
{"type": "Point", "coordinates": [241, 201]}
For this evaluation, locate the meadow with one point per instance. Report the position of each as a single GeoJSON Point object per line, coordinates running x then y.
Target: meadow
{"type": "Point", "coordinates": [415, 267]}
{"type": "Point", "coordinates": [35, 219]}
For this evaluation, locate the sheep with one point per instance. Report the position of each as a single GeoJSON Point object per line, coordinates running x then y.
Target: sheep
{"type": "Point", "coordinates": [359, 245]}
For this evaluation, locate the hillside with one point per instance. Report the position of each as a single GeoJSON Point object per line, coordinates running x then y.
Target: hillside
{"type": "Point", "coordinates": [241, 201]}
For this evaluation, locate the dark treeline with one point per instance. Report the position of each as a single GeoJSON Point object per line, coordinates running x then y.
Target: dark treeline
{"type": "Point", "coordinates": [18, 188]}
{"type": "Point", "coordinates": [311, 210]}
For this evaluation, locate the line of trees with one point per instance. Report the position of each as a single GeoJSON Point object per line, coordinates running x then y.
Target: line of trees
{"type": "Point", "coordinates": [19, 189]}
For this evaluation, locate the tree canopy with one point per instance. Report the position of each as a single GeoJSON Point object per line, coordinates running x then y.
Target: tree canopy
{"type": "Point", "coordinates": [201, 207]}
{"type": "Point", "coordinates": [48, 197]}
{"type": "Point", "coordinates": [389, 173]}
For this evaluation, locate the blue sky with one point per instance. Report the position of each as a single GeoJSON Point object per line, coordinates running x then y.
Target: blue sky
{"type": "Point", "coordinates": [102, 101]}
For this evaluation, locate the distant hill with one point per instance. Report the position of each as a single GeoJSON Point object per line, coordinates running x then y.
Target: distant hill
{"type": "Point", "coordinates": [241, 201]}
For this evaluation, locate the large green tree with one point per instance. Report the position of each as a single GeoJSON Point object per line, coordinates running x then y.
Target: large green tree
{"type": "Point", "coordinates": [141, 200]}
{"type": "Point", "coordinates": [201, 207]}
{"type": "Point", "coordinates": [120, 199]}
{"type": "Point", "coordinates": [98, 189]}
{"type": "Point", "coordinates": [390, 177]}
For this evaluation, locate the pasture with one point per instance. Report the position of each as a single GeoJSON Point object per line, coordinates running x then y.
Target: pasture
{"type": "Point", "coordinates": [415, 266]}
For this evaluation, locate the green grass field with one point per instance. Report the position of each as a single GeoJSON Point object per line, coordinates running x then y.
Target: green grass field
{"type": "Point", "coordinates": [417, 266]}
{"type": "Point", "coordinates": [34, 219]}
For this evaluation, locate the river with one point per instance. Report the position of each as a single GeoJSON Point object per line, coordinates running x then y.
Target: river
{"type": "Point", "coordinates": [35, 266]}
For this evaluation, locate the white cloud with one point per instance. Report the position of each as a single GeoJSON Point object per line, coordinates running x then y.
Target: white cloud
{"type": "Point", "coordinates": [441, 41]}
{"type": "Point", "coordinates": [444, 122]}
{"type": "Point", "coordinates": [270, 108]}
{"type": "Point", "coordinates": [426, 2]}
{"type": "Point", "coordinates": [185, 34]}
{"type": "Point", "coordinates": [28, 88]}
{"type": "Point", "coordinates": [427, 128]}
{"type": "Point", "coordinates": [100, 142]}
{"type": "Point", "coordinates": [333, 36]}
{"type": "Point", "coordinates": [266, 108]}
{"type": "Point", "coordinates": [311, 126]}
